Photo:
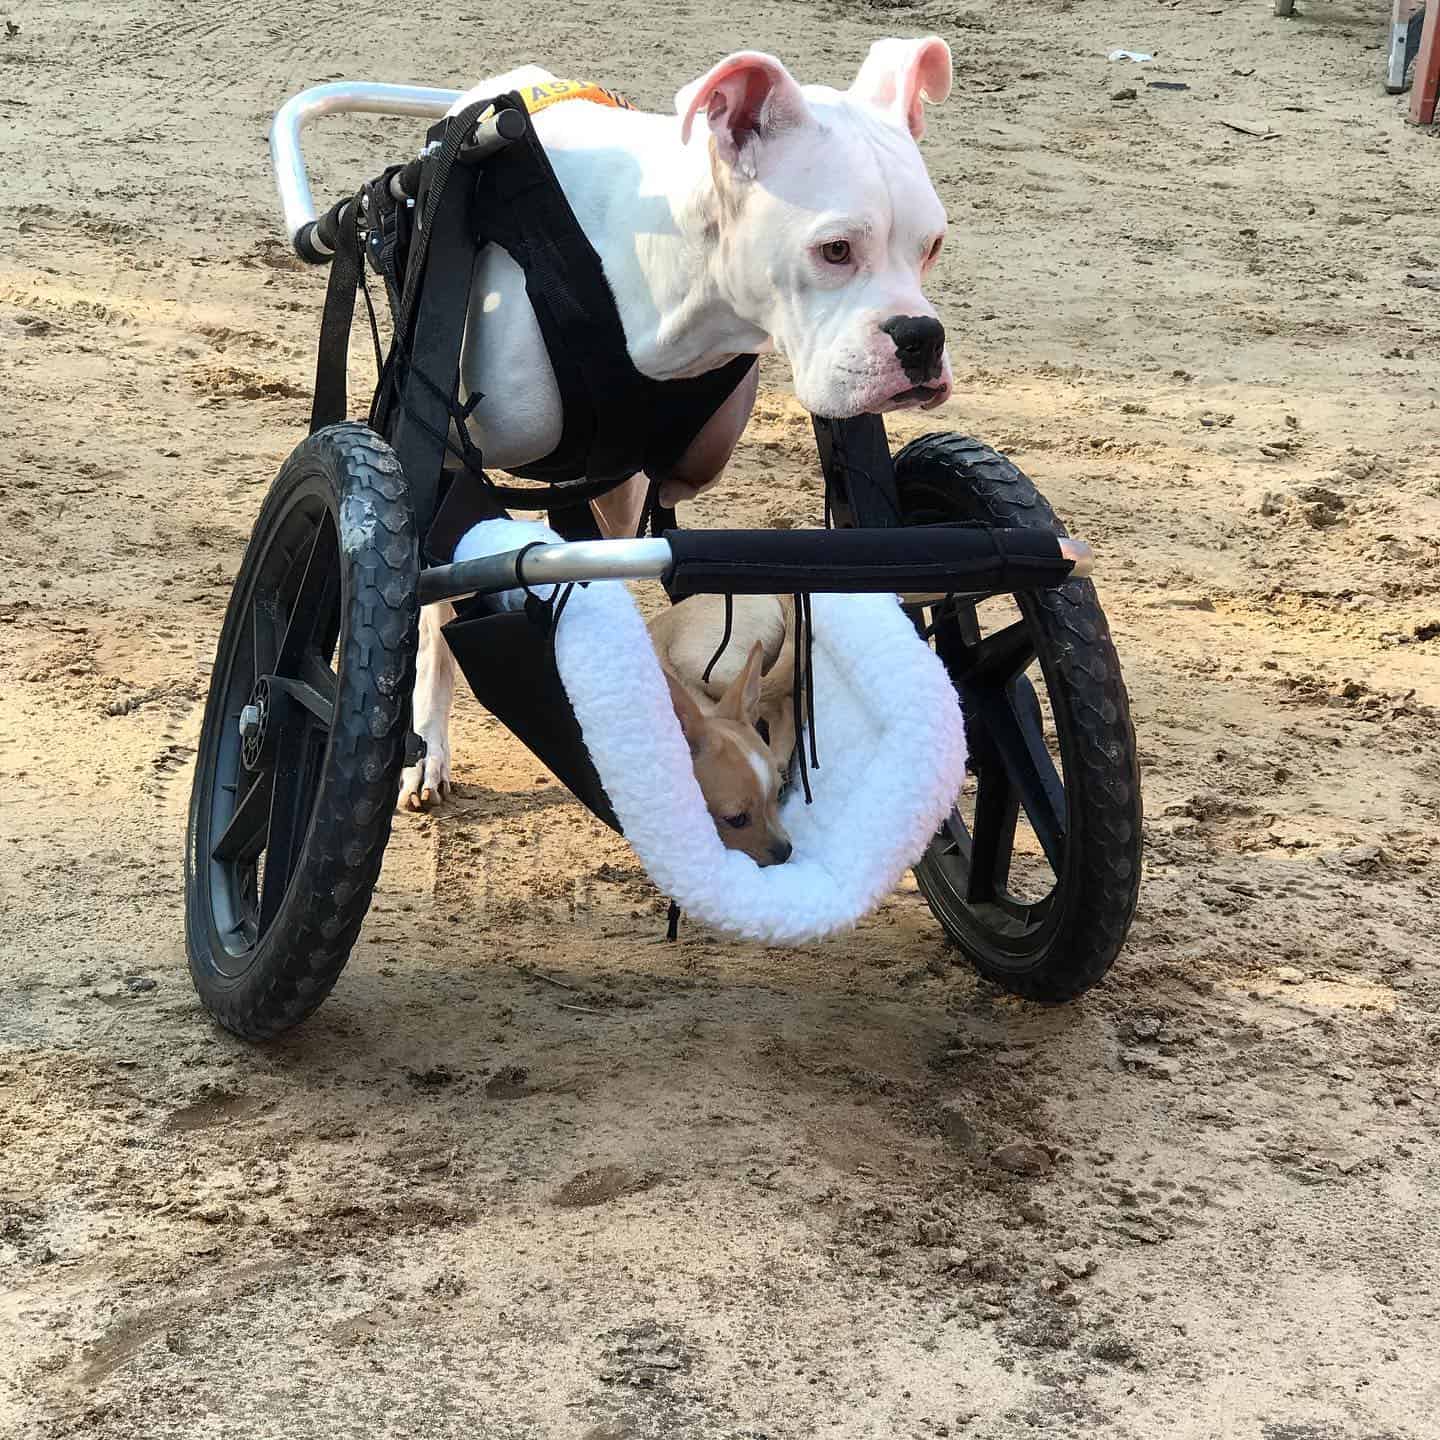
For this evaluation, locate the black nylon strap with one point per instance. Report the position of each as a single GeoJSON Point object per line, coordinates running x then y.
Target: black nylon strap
{"type": "Point", "coordinates": [430, 326]}
{"type": "Point", "coordinates": [525, 210]}
{"type": "Point", "coordinates": [453, 134]}
{"type": "Point", "coordinates": [509, 181]}
{"type": "Point", "coordinates": [332, 358]}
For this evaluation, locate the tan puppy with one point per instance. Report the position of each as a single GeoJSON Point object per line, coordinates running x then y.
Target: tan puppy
{"type": "Point", "coordinates": [739, 769]}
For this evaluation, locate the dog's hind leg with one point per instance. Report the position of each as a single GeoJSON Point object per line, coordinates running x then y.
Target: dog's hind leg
{"type": "Point", "coordinates": [428, 782]}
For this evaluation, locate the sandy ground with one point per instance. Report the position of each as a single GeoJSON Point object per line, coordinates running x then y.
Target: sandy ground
{"type": "Point", "coordinates": [751, 1195]}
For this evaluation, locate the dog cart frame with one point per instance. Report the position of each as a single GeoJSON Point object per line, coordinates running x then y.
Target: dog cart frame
{"type": "Point", "coordinates": [307, 724]}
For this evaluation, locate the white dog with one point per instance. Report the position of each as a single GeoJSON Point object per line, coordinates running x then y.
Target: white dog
{"type": "Point", "coordinates": [764, 215]}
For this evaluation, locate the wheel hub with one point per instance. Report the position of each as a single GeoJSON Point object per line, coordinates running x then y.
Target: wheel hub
{"type": "Point", "coordinates": [254, 721]}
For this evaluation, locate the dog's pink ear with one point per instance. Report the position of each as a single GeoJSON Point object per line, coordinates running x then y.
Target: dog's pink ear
{"type": "Point", "coordinates": [742, 700]}
{"type": "Point", "coordinates": [688, 713]}
{"type": "Point", "coordinates": [748, 94]}
{"type": "Point", "coordinates": [898, 74]}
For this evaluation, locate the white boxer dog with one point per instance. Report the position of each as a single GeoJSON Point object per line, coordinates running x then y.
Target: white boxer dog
{"type": "Point", "coordinates": [764, 215]}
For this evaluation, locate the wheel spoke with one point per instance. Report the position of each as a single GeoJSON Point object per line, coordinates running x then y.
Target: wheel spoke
{"type": "Point", "coordinates": [294, 748]}
{"type": "Point", "coordinates": [1011, 722]}
{"type": "Point", "coordinates": [262, 636]}
{"type": "Point", "coordinates": [311, 610]}
{"type": "Point", "coordinates": [956, 846]}
{"type": "Point", "coordinates": [317, 674]}
{"type": "Point", "coordinates": [244, 837]}
{"type": "Point", "coordinates": [319, 704]}
{"type": "Point", "coordinates": [955, 835]}
{"type": "Point", "coordinates": [992, 837]}
{"type": "Point", "coordinates": [956, 629]}
{"type": "Point", "coordinates": [997, 659]}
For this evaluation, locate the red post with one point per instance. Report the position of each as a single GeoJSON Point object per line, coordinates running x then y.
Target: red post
{"type": "Point", "coordinates": [1426, 85]}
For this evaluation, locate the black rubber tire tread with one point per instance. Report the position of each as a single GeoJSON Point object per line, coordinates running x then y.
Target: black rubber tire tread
{"type": "Point", "coordinates": [301, 955]}
{"type": "Point", "coordinates": [1101, 884]}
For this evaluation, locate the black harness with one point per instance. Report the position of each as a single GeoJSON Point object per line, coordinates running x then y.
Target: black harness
{"type": "Point", "coordinates": [616, 421]}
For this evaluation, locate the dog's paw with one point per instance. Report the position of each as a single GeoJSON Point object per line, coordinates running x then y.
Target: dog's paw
{"type": "Point", "coordinates": [427, 784]}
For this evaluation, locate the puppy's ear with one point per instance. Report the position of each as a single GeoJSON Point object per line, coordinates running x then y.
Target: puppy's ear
{"type": "Point", "coordinates": [898, 74]}
{"type": "Point", "coordinates": [744, 97]}
{"type": "Point", "coordinates": [688, 713]}
{"type": "Point", "coordinates": [742, 700]}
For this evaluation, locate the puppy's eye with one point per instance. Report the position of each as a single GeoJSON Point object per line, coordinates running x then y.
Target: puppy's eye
{"type": "Point", "coordinates": [933, 254]}
{"type": "Point", "coordinates": [737, 822]}
{"type": "Point", "coordinates": [835, 252]}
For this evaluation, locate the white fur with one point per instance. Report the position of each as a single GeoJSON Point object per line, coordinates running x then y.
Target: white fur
{"type": "Point", "coordinates": [428, 781]}
{"type": "Point", "coordinates": [891, 745]}
{"type": "Point", "coordinates": [843, 165]}
{"type": "Point", "coordinates": [760, 766]}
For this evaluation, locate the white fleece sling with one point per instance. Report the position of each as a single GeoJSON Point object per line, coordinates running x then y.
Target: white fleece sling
{"type": "Point", "coordinates": [889, 733]}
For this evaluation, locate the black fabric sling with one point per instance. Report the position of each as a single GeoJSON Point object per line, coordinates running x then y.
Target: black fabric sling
{"type": "Point", "coordinates": [616, 421]}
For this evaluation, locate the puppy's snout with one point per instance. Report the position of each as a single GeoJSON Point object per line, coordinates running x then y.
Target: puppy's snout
{"type": "Point", "coordinates": [779, 853]}
{"type": "Point", "coordinates": [919, 342]}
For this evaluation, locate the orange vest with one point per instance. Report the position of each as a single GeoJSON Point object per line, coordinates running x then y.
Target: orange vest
{"type": "Point", "coordinates": [552, 92]}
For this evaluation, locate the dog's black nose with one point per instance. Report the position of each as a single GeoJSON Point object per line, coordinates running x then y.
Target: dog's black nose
{"type": "Point", "coordinates": [919, 341]}
{"type": "Point", "coordinates": [780, 853]}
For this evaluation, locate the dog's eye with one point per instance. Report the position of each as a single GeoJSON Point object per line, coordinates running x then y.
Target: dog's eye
{"type": "Point", "coordinates": [737, 822]}
{"type": "Point", "coordinates": [933, 254]}
{"type": "Point", "coordinates": [835, 252]}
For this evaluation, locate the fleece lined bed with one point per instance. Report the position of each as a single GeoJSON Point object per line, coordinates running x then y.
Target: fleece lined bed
{"type": "Point", "coordinates": [891, 748]}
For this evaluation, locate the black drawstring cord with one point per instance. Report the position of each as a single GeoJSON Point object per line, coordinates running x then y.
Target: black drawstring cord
{"type": "Point", "coordinates": [559, 610]}
{"type": "Point", "coordinates": [650, 520]}
{"type": "Point", "coordinates": [523, 583]}
{"type": "Point", "coordinates": [374, 326]}
{"type": "Point", "coordinates": [809, 637]}
{"type": "Point", "coordinates": [654, 516]}
{"type": "Point", "coordinates": [880, 490]}
{"type": "Point", "coordinates": [797, 701]}
{"type": "Point", "coordinates": [647, 511]}
{"type": "Point", "coordinates": [724, 639]}
{"type": "Point", "coordinates": [543, 611]}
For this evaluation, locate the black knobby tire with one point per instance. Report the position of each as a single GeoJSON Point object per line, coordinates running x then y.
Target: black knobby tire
{"type": "Point", "coordinates": [1057, 947]}
{"type": "Point", "coordinates": [288, 825]}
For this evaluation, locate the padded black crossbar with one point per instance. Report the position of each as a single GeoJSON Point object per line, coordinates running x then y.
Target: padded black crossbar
{"type": "Point", "coordinates": [917, 558]}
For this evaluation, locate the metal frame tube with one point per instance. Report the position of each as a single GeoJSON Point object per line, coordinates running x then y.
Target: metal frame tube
{"type": "Point", "coordinates": [343, 98]}
{"type": "Point", "coordinates": [576, 560]}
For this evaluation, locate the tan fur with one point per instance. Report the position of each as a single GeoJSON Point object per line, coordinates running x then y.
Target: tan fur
{"type": "Point", "coordinates": [687, 635]}
{"type": "Point", "coordinates": [738, 772]}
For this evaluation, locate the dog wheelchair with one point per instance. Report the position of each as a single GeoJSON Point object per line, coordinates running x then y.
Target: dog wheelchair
{"type": "Point", "coordinates": [1034, 874]}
